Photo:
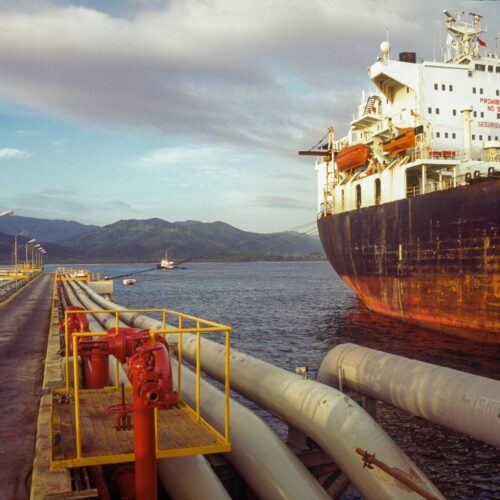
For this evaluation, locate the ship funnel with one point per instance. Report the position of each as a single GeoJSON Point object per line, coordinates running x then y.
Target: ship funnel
{"type": "Point", "coordinates": [409, 57]}
{"type": "Point", "coordinates": [467, 132]}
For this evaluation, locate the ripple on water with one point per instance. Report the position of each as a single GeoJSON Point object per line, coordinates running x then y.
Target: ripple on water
{"type": "Point", "coordinates": [293, 313]}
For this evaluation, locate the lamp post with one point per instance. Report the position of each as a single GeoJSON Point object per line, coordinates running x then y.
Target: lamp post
{"type": "Point", "coordinates": [42, 251]}
{"type": "Point", "coordinates": [34, 251]}
{"type": "Point", "coordinates": [6, 212]}
{"type": "Point", "coordinates": [28, 243]}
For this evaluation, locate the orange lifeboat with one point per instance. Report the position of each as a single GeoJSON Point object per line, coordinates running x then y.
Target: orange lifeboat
{"type": "Point", "coordinates": [403, 141]}
{"type": "Point", "coordinates": [352, 157]}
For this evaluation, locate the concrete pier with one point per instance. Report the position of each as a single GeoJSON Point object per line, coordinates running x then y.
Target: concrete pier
{"type": "Point", "coordinates": [24, 325]}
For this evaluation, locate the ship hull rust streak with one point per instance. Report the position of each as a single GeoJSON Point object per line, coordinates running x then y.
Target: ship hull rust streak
{"type": "Point", "coordinates": [414, 260]}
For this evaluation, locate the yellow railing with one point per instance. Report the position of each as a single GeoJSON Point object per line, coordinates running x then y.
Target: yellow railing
{"type": "Point", "coordinates": [202, 326]}
{"type": "Point", "coordinates": [19, 272]}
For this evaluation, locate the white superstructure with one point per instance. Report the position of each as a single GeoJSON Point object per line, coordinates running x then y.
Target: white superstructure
{"type": "Point", "coordinates": [451, 108]}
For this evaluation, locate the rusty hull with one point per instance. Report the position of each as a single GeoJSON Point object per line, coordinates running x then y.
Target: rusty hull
{"type": "Point", "coordinates": [432, 260]}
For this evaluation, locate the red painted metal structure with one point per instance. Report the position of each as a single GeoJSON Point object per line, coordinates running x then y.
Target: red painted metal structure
{"type": "Point", "coordinates": [150, 372]}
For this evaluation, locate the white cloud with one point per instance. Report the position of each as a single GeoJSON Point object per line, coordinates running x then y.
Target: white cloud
{"type": "Point", "coordinates": [203, 157]}
{"type": "Point", "coordinates": [13, 153]}
{"type": "Point", "coordinates": [232, 71]}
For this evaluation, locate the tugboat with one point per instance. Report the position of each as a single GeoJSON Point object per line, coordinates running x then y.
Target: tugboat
{"type": "Point", "coordinates": [165, 263]}
{"type": "Point", "coordinates": [409, 199]}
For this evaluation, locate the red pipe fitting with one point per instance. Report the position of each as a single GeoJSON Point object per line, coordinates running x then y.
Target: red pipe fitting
{"type": "Point", "coordinates": [151, 375]}
{"type": "Point", "coordinates": [95, 356]}
{"type": "Point", "coordinates": [77, 322]}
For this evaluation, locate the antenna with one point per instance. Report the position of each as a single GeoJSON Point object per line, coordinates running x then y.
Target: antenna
{"type": "Point", "coordinates": [388, 41]}
{"type": "Point", "coordinates": [448, 15]}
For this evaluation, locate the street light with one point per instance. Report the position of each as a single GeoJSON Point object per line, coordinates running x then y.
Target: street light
{"type": "Point", "coordinates": [6, 212]}
{"type": "Point", "coordinates": [28, 243]}
{"type": "Point", "coordinates": [33, 254]}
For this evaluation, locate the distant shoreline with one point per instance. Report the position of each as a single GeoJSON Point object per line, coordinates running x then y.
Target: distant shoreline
{"type": "Point", "coordinates": [229, 259]}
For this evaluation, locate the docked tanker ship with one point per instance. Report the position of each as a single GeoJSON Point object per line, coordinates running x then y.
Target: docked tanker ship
{"type": "Point", "coordinates": [408, 201]}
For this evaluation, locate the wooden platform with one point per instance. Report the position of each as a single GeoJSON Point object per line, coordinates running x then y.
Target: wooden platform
{"type": "Point", "coordinates": [179, 433]}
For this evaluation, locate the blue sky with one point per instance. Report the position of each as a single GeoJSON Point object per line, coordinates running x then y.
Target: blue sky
{"type": "Point", "coordinates": [188, 109]}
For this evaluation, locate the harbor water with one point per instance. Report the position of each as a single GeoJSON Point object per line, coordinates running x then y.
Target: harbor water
{"type": "Point", "coordinates": [292, 313]}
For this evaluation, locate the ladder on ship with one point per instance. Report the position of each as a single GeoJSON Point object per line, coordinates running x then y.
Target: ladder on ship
{"type": "Point", "coordinates": [370, 105]}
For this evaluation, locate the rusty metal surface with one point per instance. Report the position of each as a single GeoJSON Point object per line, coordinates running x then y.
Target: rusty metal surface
{"type": "Point", "coordinates": [24, 324]}
{"type": "Point", "coordinates": [433, 260]}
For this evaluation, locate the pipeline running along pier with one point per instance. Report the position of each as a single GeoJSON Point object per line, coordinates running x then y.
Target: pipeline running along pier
{"type": "Point", "coordinates": [120, 409]}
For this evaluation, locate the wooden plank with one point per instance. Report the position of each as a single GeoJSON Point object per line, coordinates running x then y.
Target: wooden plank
{"type": "Point", "coordinates": [177, 429]}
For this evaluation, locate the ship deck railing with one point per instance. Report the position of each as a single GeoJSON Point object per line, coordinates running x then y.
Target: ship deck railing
{"type": "Point", "coordinates": [83, 433]}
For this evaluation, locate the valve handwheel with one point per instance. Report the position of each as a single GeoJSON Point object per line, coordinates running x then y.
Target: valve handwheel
{"type": "Point", "coordinates": [122, 411]}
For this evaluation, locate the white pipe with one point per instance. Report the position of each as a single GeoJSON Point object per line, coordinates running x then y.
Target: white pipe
{"type": "Point", "coordinates": [333, 420]}
{"type": "Point", "coordinates": [466, 403]}
{"type": "Point", "coordinates": [196, 473]}
{"type": "Point", "coordinates": [466, 112]}
{"type": "Point", "coordinates": [258, 454]}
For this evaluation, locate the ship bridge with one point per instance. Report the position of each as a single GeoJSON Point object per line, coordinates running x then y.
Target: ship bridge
{"type": "Point", "coordinates": [391, 76]}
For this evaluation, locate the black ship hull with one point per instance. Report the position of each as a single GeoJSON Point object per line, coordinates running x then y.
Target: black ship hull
{"type": "Point", "coordinates": [432, 259]}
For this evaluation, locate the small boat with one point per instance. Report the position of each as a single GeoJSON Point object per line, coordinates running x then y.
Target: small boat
{"type": "Point", "coordinates": [403, 141]}
{"type": "Point", "coordinates": [352, 157]}
{"type": "Point", "coordinates": [165, 263]}
{"type": "Point", "coordinates": [129, 281]}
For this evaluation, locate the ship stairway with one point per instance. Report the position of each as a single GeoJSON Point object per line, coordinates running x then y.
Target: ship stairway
{"type": "Point", "coordinates": [370, 105]}
{"type": "Point", "coordinates": [398, 162]}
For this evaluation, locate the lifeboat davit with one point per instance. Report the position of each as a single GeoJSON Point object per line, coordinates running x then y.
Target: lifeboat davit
{"type": "Point", "coordinates": [352, 157]}
{"type": "Point", "coordinates": [403, 141]}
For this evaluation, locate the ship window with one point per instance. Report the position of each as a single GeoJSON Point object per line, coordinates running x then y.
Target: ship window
{"type": "Point", "coordinates": [480, 137]}
{"type": "Point", "coordinates": [450, 87]}
{"type": "Point", "coordinates": [489, 138]}
{"type": "Point", "coordinates": [358, 196]}
{"type": "Point", "coordinates": [480, 91]}
{"type": "Point", "coordinates": [498, 91]}
{"type": "Point", "coordinates": [454, 112]}
{"type": "Point", "coordinates": [475, 114]}
{"type": "Point", "coordinates": [453, 135]}
{"type": "Point", "coordinates": [498, 71]}
{"type": "Point", "coordinates": [498, 116]}
{"type": "Point", "coordinates": [446, 135]}
{"type": "Point", "coordinates": [377, 191]}
{"type": "Point", "coordinates": [480, 67]}
{"type": "Point", "coordinates": [437, 111]}
{"type": "Point", "coordinates": [443, 87]}
{"type": "Point", "coordinates": [490, 69]}
{"type": "Point", "coordinates": [429, 110]}
{"type": "Point", "coordinates": [473, 90]}
{"type": "Point", "coordinates": [473, 137]}
{"type": "Point", "coordinates": [482, 114]}
{"type": "Point", "coordinates": [438, 134]}
{"type": "Point", "coordinates": [435, 86]}
{"type": "Point", "coordinates": [496, 138]}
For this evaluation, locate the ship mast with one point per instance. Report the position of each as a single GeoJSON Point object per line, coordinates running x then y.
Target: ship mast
{"type": "Point", "coordinates": [463, 37]}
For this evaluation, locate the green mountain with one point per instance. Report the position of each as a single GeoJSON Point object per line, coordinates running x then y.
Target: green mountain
{"type": "Point", "coordinates": [55, 251]}
{"type": "Point", "coordinates": [147, 240]}
{"type": "Point", "coordinates": [43, 229]}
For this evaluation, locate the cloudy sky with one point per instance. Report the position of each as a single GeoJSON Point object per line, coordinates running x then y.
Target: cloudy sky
{"type": "Point", "coordinates": [189, 109]}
